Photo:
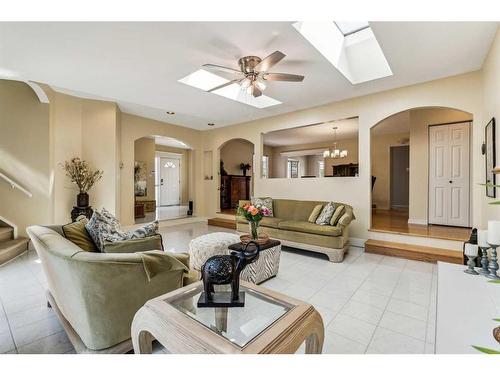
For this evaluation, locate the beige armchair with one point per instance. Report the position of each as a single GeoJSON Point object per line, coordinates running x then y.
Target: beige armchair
{"type": "Point", "coordinates": [96, 295]}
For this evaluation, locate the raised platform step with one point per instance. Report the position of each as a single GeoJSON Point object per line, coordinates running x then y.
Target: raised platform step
{"type": "Point", "coordinates": [224, 223]}
{"type": "Point", "coordinates": [6, 233]}
{"type": "Point", "coordinates": [413, 252]}
{"type": "Point", "coordinates": [12, 248]}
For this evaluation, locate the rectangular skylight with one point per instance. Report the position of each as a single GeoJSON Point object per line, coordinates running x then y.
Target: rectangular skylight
{"type": "Point", "coordinates": [205, 81]}
{"type": "Point", "coordinates": [357, 55]}
{"type": "Point", "coordinates": [348, 28]}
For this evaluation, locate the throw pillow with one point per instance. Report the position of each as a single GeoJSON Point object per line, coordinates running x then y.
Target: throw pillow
{"type": "Point", "coordinates": [115, 235]}
{"type": "Point", "coordinates": [264, 202]}
{"type": "Point", "coordinates": [135, 245]}
{"type": "Point", "coordinates": [337, 214]}
{"type": "Point", "coordinates": [76, 233]}
{"type": "Point", "coordinates": [315, 213]}
{"type": "Point", "coordinates": [100, 224]}
{"type": "Point", "coordinates": [326, 214]}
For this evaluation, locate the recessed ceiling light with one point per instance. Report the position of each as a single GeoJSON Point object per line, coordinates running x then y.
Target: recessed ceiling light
{"type": "Point", "coordinates": [210, 124]}
{"type": "Point", "coordinates": [205, 81]}
{"type": "Point", "coordinates": [170, 113]}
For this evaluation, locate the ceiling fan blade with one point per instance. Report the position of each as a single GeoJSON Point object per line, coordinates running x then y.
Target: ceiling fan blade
{"type": "Point", "coordinates": [256, 92]}
{"type": "Point", "coordinates": [223, 85]}
{"type": "Point", "coordinates": [270, 61]}
{"type": "Point", "coordinates": [221, 68]}
{"type": "Point", "coordinates": [283, 77]}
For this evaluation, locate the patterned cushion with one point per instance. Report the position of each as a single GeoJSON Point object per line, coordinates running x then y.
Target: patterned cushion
{"type": "Point", "coordinates": [315, 213]}
{"type": "Point", "coordinates": [99, 224]}
{"type": "Point", "coordinates": [337, 214]}
{"type": "Point", "coordinates": [115, 234]}
{"type": "Point", "coordinates": [264, 202]}
{"type": "Point", "coordinates": [326, 214]}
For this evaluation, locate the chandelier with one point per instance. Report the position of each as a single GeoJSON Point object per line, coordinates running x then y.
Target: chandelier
{"type": "Point", "coordinates": [335, 153]}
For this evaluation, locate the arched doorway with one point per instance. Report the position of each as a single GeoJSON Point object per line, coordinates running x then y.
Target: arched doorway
{"type": "Point", "coordinates": [236, 172]}
{"type": "Point", "coordinates": [409, 150]}
{"type": "Point", "coordinates": [161, 178]}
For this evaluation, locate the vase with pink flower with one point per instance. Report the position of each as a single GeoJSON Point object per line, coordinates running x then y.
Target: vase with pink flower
{"type": "Point", "coordinates": [254, 215]}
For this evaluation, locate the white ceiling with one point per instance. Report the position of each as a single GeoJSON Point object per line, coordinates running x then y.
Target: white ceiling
{"type": "Point", "coordinates": [139, 64]}
{"type": "Point", "coordinates": [347, 129]}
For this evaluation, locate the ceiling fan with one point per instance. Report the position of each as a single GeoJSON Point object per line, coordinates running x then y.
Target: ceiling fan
{"type": "Point", "coordinates": [253, 73]}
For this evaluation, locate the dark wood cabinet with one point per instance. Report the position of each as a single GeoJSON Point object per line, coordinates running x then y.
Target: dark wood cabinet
{"type": "Point", "coordinates": [232, 189]}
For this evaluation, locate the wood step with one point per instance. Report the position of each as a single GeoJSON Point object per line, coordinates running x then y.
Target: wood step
{"type": "Point", "coordinates": [6, 233]}
{"type": "Point", "coordinates": [413, 252]}
{"type": "Point", "coordinates": [12, 248]}
{"type": "Point", "coordinates": [224, 223]}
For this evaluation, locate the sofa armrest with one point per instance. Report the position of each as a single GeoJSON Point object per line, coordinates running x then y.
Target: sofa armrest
{"type": "Point", "coordinates": [182, 257]}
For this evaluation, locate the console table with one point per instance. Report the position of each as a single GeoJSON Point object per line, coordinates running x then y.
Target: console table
{"type": "Point", "coordinates": [269, 322]}
{"type": "Point", "coordinates": [466, 305]}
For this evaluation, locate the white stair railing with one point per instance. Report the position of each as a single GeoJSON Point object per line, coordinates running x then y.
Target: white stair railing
{"type": "Point", "coordinates": [15, 185]}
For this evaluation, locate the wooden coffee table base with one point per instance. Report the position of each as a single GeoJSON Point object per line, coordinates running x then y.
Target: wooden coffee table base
{"type": "Point", "coordinates": [181, 334]}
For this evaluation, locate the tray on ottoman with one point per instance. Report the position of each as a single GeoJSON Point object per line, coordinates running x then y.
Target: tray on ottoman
{"type": "Point", "coordinates": [267, 264]}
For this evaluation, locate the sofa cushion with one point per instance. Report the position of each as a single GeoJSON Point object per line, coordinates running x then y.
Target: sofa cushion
{"type": "Point", "coordinates": [270, 222]}
{"type": "Point", "coordinates": [76, 233]}
{"type": "Point", "coordinates": [134, 245]}
{"type": "Point", "coordinates": [264, 202]}
{"type": "Point", "coordinates": [326, 214]}
{"type": "Point", "coordinates": [306, 227]}
{"type": "Point", "coordinates": [337, 214]}
{"type": "Point", "coordinates": [99, 224]}
{"type": "Point", "coordinates": [315, 213]}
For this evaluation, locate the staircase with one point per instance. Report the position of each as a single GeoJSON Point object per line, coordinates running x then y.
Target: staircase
{"type": "Point", "coordinates": [10, 247]}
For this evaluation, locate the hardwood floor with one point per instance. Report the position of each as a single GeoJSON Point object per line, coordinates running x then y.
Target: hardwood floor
{"type": "Point", "coordinates": [391, 221]}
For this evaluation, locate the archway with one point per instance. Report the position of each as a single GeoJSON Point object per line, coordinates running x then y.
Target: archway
{"type": "Point", "coordinates": [236, 173]}
{"type": "Point", "coordinates": [162, 179]}
{"type": "Point", "coordinates": [404, 194]}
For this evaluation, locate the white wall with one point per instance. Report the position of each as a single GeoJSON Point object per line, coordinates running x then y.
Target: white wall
{"type": "Point", "coordinates": [491, 108]}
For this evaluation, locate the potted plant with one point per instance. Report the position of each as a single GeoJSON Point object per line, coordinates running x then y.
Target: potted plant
{"type": "Point", "coordinates": [82, 176]}
{"type": "Point", "coordinates": [245, 167]}
{"type": "Point", "coordinates": [254, 215]}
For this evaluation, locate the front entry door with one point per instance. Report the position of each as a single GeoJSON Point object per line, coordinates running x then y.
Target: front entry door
{"type": "Point", "coordinates": [449, 174]}
{"type": "Point", "coordinates": [169, 181]}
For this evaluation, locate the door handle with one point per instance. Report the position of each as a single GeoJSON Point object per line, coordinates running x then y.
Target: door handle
{"type": "Point", "coordinates": [451, 182]}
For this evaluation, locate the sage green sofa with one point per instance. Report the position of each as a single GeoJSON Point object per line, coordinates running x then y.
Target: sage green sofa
{"type": "Point", "coordinates": [290, 224]}
{"type": "Point", "coordinates": [96, 295]}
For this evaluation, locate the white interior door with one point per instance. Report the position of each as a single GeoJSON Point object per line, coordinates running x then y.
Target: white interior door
{"type": "Point", "coordinates": [169, 181]}
{"type": "Point", "coordinates": [449, 182]}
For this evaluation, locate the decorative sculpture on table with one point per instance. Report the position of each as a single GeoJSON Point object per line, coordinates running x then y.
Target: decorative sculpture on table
{"type": "Point", "coordinates": [223, 270]}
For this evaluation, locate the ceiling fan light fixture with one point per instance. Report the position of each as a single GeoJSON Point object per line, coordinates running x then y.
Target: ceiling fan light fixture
{"type": "Point", "coordinates": [246, 83]}
{"type": "Point", "coordinates": [259, 82]}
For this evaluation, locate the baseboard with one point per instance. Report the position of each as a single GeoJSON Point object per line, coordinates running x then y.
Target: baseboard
{"type": "Point", "coordinates": [418, 221]}
{"type": "Point", "coordinates": [357, 242]}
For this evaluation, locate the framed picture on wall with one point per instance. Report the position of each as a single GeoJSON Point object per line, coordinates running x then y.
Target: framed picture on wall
{"type": "Point", "coordinates": [489, 148]}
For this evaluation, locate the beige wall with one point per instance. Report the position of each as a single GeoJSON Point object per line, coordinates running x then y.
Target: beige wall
{"type": "Point", "coordinates": [462, 92]}
{"type": "Point", "coordinates": [144, 149]}
{"type": "Point", "coordinates": [24, 156]}
{"type": "Point", "coordinates": [135, 127]}
{"type": "Point", "coordinates": [185, 160]}
{"type": "Point", "coordinates": [309, 164]}
{"type": "Point", "coordinates": [491, 108]}
{"type": "Point", "coordinates": [380, 162]}
{"type": "Point", "coordinates": [419, 156]}
{"type": "Point", "coordinates": [235, 152]}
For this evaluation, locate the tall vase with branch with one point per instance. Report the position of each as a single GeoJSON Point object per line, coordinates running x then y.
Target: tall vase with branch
{"type": "Point", "coordinates": [83, 176]}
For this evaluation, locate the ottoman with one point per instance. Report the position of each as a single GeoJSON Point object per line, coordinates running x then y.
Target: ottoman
{"type": "Point", "coordinates": [203, 247]}
{"type": "Point", "coordinates": [267, 264]}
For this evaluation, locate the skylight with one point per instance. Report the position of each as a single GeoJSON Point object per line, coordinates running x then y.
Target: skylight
{"type": "Point", "coordinates": [349, 46]}
{"type": "Point", "coordinates": [204, 80]}
{"type": "Point", "coordinates": [348, 28]}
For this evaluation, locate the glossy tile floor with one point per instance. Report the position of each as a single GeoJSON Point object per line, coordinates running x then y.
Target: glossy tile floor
{"type": "Point", "coordinates": [164, 213]}
{"type": "Point", "coordinates": [369, 303]}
